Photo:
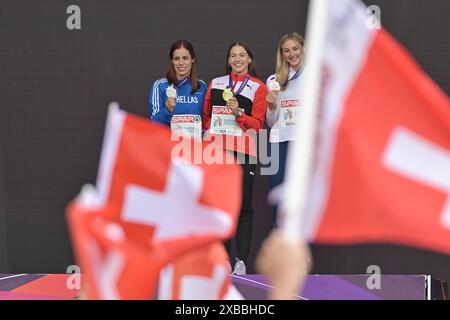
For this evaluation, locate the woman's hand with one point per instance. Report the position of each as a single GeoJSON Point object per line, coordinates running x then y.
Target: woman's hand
{"type": "Point", "coordinates": [233, 104]}
{"type": "Point", "coordinates": [170, 104]}
{"type": "Point", "coordinates": [271, 100]}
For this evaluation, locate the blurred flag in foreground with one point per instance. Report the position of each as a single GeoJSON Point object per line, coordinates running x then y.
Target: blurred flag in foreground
{"type": "Point", "coordinates": [151, 207]}
{"type": "Point", "coordinates": [200, 275]}
{"type": "Point", "coordinates": [382, 161]}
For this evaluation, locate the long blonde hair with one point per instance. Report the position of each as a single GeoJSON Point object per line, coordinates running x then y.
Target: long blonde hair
{"type": "Point", "coordinates": [282, 68]}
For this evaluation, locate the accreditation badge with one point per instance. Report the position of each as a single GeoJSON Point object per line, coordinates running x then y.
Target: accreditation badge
{"type": "Point", "coordinates": [290, 112]}
{"type": "Point", "coordinates": [187, 125]}
{"type": "Point", "coordinates": [224, 122]}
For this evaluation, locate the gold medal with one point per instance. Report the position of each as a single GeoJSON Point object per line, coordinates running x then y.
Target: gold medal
{"type": "Point", "coordinates": [227, 94]}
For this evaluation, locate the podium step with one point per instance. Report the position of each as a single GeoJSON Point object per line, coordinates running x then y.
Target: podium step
{"type": "Point", "coordinates": [351, 287]}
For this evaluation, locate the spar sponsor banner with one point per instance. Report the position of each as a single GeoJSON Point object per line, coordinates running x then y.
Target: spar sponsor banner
{"type": "Point", "coordinates": [224, 122]}
{"type": "Point", "coordinates": [290, 112]}
{"type": "Point", "coordinates": [187, 124]}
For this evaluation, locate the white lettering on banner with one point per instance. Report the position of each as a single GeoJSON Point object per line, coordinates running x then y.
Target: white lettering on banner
{"type": "Point", "coordinates": [175, 212]}
{"type": "Point", "coordinates": [419, 159]}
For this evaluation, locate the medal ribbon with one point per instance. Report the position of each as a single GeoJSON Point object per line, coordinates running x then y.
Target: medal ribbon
{"type": "Point", "coordinates": [297, 74]}
{"type": "Point", "coordinates": [180, 83]}
{"type": "Point", "coordinates": [243, 84]}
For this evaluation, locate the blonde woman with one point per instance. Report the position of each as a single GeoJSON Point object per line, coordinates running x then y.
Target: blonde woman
{"type": "Point", "coordinates": [284, 102]}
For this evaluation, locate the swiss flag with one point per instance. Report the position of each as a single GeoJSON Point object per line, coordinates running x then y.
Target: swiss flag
{"type": "Point", "coordinates": [382, 170]}
{"type": "Point", "coordinates": [200, 275]}
{"type": "Point", "coordinates": [160, 202]}
{"type": "Point", "coordinates": [113, 266]}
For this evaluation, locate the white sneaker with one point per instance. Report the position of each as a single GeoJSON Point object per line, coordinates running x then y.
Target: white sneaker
{"type": "Point", "coordinates": [239, 268]}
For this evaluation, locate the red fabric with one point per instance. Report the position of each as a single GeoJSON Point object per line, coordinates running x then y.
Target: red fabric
{"type": "Point", "coordinates": [367, 201]}
{"type": "Point", "coordinates": [144, 159]}
{"type": "Point", "coordinates": [137, 278]}
{"type": "Point", "coordinates": [54, 285]}
{"type": "Point", "coordinates": [247, 142]}
{"type": "Point", "coordinates": [206, 116]}
{"type": "Point", "coordinates": [201, 265]}
{"type": "Point", "coordinates": [259, 107]}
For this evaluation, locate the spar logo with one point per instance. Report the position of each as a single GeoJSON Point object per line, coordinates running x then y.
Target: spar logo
{"type": "Point", "coordinates": [186, 118]}
{"type": "Point", "coordinates": [222, 110]}
{"type": "Point", "coordinates": [290, 103]}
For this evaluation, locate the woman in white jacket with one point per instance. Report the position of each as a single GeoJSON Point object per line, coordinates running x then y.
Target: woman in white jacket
{"type": "Point", "coordinates": [284, 103]}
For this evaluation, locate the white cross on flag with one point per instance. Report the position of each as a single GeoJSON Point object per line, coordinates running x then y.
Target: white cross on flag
{"type": "Point", "coordinates": [382, 169]}
{"type": "Point", "coordinates": [150, 208]}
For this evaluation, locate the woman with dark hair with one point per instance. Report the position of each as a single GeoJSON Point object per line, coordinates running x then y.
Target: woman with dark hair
{"type": "Point", "coordinates": [234, 111]}
{"type": "Point", "coordinates": [177, 99]}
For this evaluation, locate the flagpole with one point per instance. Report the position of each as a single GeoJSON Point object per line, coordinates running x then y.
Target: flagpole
{"type": "Point", "coordinates": [300, 154]}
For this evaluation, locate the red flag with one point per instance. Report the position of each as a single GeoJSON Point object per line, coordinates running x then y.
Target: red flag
{"type": "Point", "coordinates": [164, 203]}
{"type": "Point", "coordinates": [383, 160]}
{"type": "Point", "coordinates": [200, 275]}
{"type": "Point", "coordinates": [113, 266]}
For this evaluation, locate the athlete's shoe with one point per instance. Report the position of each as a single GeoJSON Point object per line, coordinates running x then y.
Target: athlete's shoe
{"type": "Point", "coordinates": [239, 268]}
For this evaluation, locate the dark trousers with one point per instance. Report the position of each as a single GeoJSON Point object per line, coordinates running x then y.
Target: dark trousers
{"type": "Point", "coordinates": [243, 235]}
{"type": "Point", "coordinates": [278, 178]}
